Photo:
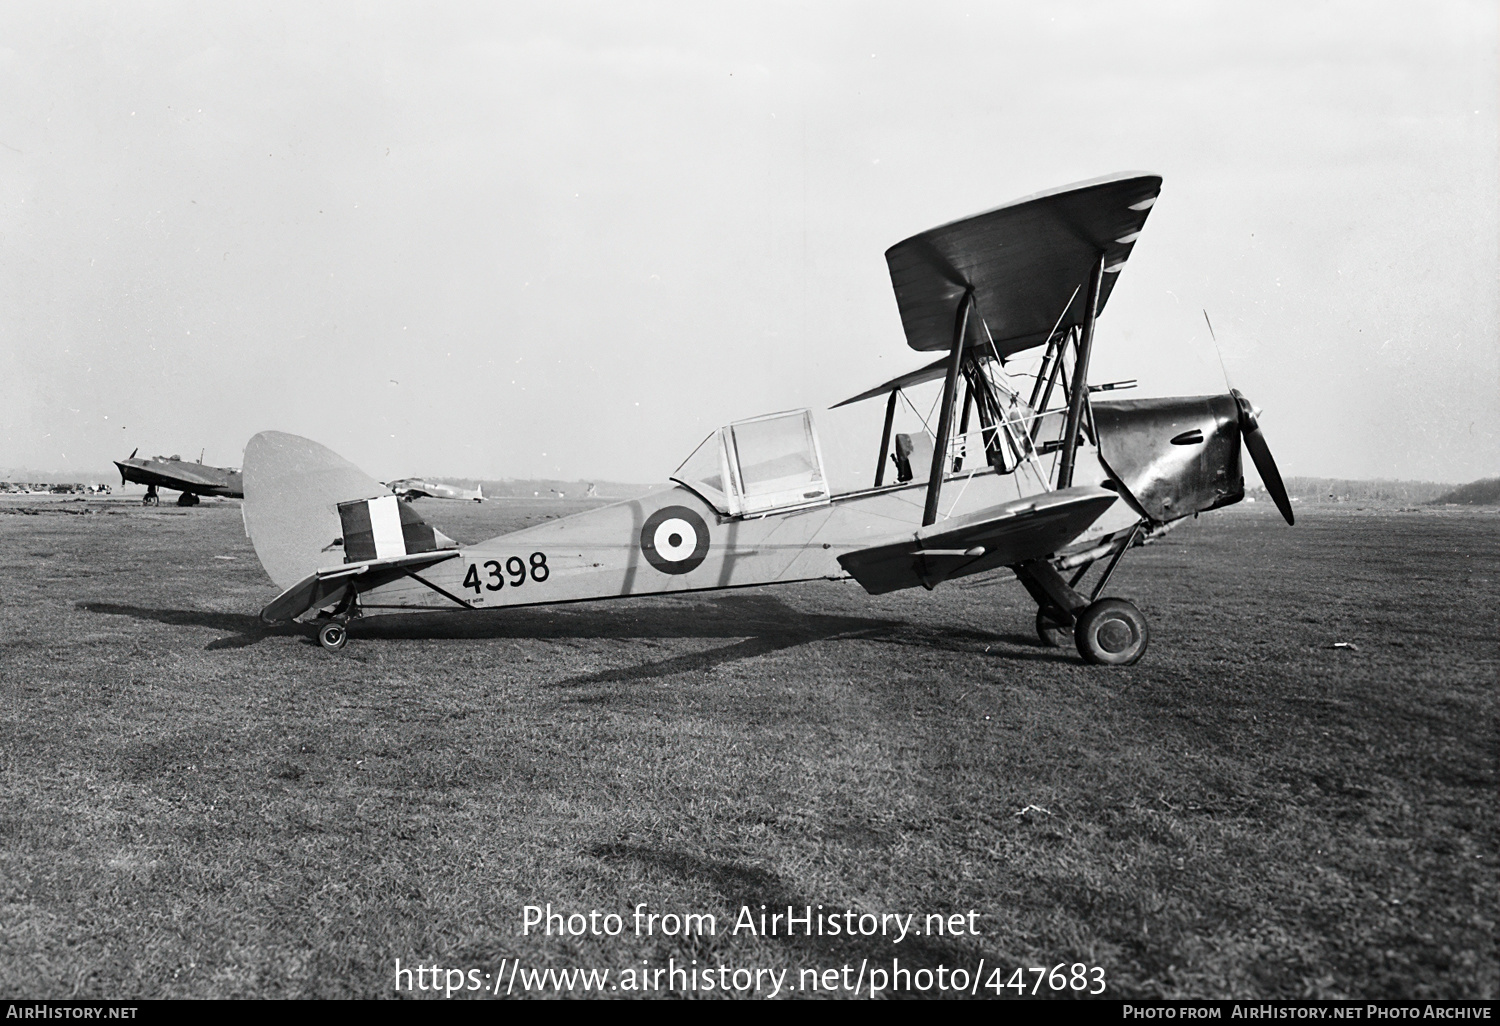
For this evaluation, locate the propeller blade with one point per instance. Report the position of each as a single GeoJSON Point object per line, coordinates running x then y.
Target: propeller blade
{"type": "Point", "coordinates": [1260, 455]}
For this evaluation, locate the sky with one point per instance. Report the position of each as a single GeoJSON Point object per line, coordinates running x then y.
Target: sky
{"type": "Point", "coordinates": [569, 240]}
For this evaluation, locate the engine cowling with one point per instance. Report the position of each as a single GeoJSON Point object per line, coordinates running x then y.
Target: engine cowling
{"type": "Point", "coordinates": [1173, 457]}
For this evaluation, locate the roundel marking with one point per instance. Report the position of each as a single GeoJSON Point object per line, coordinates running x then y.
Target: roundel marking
{"type": "Point", "coordinates": [674, 539]}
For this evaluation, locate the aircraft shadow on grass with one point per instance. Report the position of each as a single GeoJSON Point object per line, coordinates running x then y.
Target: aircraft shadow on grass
{"type": "Point", "coordinates": [246, 629]}
{"type": "Point", "coordinates": [748, 886]}
{"type": "Point", "coordinates": [755, 625]}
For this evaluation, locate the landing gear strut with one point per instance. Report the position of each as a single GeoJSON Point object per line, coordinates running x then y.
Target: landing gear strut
{"type": "Point", "coordinates": [151, 498]}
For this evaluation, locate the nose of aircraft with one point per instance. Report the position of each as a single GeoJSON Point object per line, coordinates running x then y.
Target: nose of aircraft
{"type": "Point", "coordinates": [1260, 455]}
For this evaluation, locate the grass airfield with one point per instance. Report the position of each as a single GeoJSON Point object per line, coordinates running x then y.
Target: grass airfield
{"type": "Point", "coordinates": [194, 805]}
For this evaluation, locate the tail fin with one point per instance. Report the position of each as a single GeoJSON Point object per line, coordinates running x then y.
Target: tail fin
{"type": "Point", "coordinates": [479, 491]}
{"type": "Point", "coordinates": [294, 489]}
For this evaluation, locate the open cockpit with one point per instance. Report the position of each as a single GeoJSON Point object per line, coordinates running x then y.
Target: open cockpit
{"type": "Point", "coordinates": [775, 463]}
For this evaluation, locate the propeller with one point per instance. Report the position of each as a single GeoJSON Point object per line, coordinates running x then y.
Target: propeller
{"type": "Point", "coordinates": [1260, 455]}
{"type": "Point", "coordinates": [1260, 452]}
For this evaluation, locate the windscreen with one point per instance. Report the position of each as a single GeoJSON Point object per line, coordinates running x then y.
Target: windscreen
{"type": "Point", "coordinates": [703, 472]}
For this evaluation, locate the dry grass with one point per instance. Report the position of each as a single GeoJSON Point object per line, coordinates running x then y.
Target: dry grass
{"type": "Point", "coordinates": [192, 805]}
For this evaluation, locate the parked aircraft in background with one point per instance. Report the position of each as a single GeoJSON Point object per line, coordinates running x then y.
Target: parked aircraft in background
{"type": "Point", "coordinates": [191, 479]}
{"type": "Point", "coordinates": [1044, 489]}
{"type": "Point", "coordinates": [411, 488]}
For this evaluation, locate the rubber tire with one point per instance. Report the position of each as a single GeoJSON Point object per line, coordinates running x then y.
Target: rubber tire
{"type": "Point", "coordinates": [1049, 633]}
{"type": "Point", "coordinates": [333, 636]}
{"type": "Point", "coordinates": [1111, 632]}
{"type": "Point", "coordinates": [151, 500]}
{"type": "Point", "coordinates": [187, 499]}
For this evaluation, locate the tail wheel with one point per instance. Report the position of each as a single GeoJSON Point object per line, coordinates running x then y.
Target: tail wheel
{"type": "Point", "coordinates": [1051, 633]}
{"type": "Point", "coordinates": [1111, 632]}
{"type": "Point", "coordinates": [332, 636]}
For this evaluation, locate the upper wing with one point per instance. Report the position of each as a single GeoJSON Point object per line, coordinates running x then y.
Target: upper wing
{"type": "Point", "coordinates": [1023, 261]}
{"type": "Point", "coordinates": [932, 372]}
{"type": "Point", "coordinates": [1012, 532]}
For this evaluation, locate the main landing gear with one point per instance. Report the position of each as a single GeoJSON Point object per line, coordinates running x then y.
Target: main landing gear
{"type": "Point", "coordinates": [1111, 632]}
{"type": "Point", "coordinates": [1106, 632]}
{"type": "Point", "coordinates": [1050, 632]}
{"type": "Point", "coordinates": [187, 499]}
{"type": "Point", "coordinates": [151, 498]}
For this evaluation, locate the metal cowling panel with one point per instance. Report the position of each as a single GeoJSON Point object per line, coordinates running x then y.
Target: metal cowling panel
{"type": "Point", "coordinates": [1175, 457]}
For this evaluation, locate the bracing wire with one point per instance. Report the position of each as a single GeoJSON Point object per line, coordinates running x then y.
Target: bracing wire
{"type": "Point", "coordinates": [925, 426]}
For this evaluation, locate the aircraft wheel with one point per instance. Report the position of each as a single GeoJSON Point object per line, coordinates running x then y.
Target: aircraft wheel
{"type": "Point", "coordinates": [151, 500]}
{"type": "Point", "coordinates": [187, 499]}
{"type": "Point", "coordinates": [1050, 633]}
{"type": "Point", "coordinates": [332, 636]}
{"type": "Point", "coordinates": [1111, 632]}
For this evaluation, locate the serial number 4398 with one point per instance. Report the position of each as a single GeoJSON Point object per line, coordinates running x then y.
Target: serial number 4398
{"type": "Point", "coordinates": [493, 576]}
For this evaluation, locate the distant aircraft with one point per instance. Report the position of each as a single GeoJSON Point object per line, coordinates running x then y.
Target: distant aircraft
{"type": "Point", "coordinates": [1043, 489]}
{"type": "Point", "coordinates": [412, 488]}
{"type": "Point", "coordinates": [191, 479]}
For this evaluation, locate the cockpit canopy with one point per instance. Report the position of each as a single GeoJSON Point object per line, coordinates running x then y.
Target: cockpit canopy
{"type": "Point", "coordinates": [757, 466]}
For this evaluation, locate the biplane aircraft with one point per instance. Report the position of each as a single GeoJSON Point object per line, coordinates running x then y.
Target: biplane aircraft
{"type": "Point", "coordinates": [409, 489]}
{"type": "Point", "coordinates": [191, 479]}
{"type": "Point", "coordinates": [1041, 481]}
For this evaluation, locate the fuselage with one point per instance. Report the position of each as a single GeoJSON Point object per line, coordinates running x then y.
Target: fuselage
{"type": "Point", "coordinates": [179, 475]}
{"type": "Point", "coordinates": [415, 488]}
{"type": "Point", "coordinates": [672, 540]}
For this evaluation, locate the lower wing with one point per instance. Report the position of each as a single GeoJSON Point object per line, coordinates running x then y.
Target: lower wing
{"type": "Point", "coordinates": [1004, 535]}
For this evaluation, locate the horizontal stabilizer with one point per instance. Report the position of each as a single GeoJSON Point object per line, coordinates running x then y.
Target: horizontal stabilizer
{"type": "Point", "coordinates": [326, 586]}
{"type": "Point", "coordinates": [1004, 535]}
